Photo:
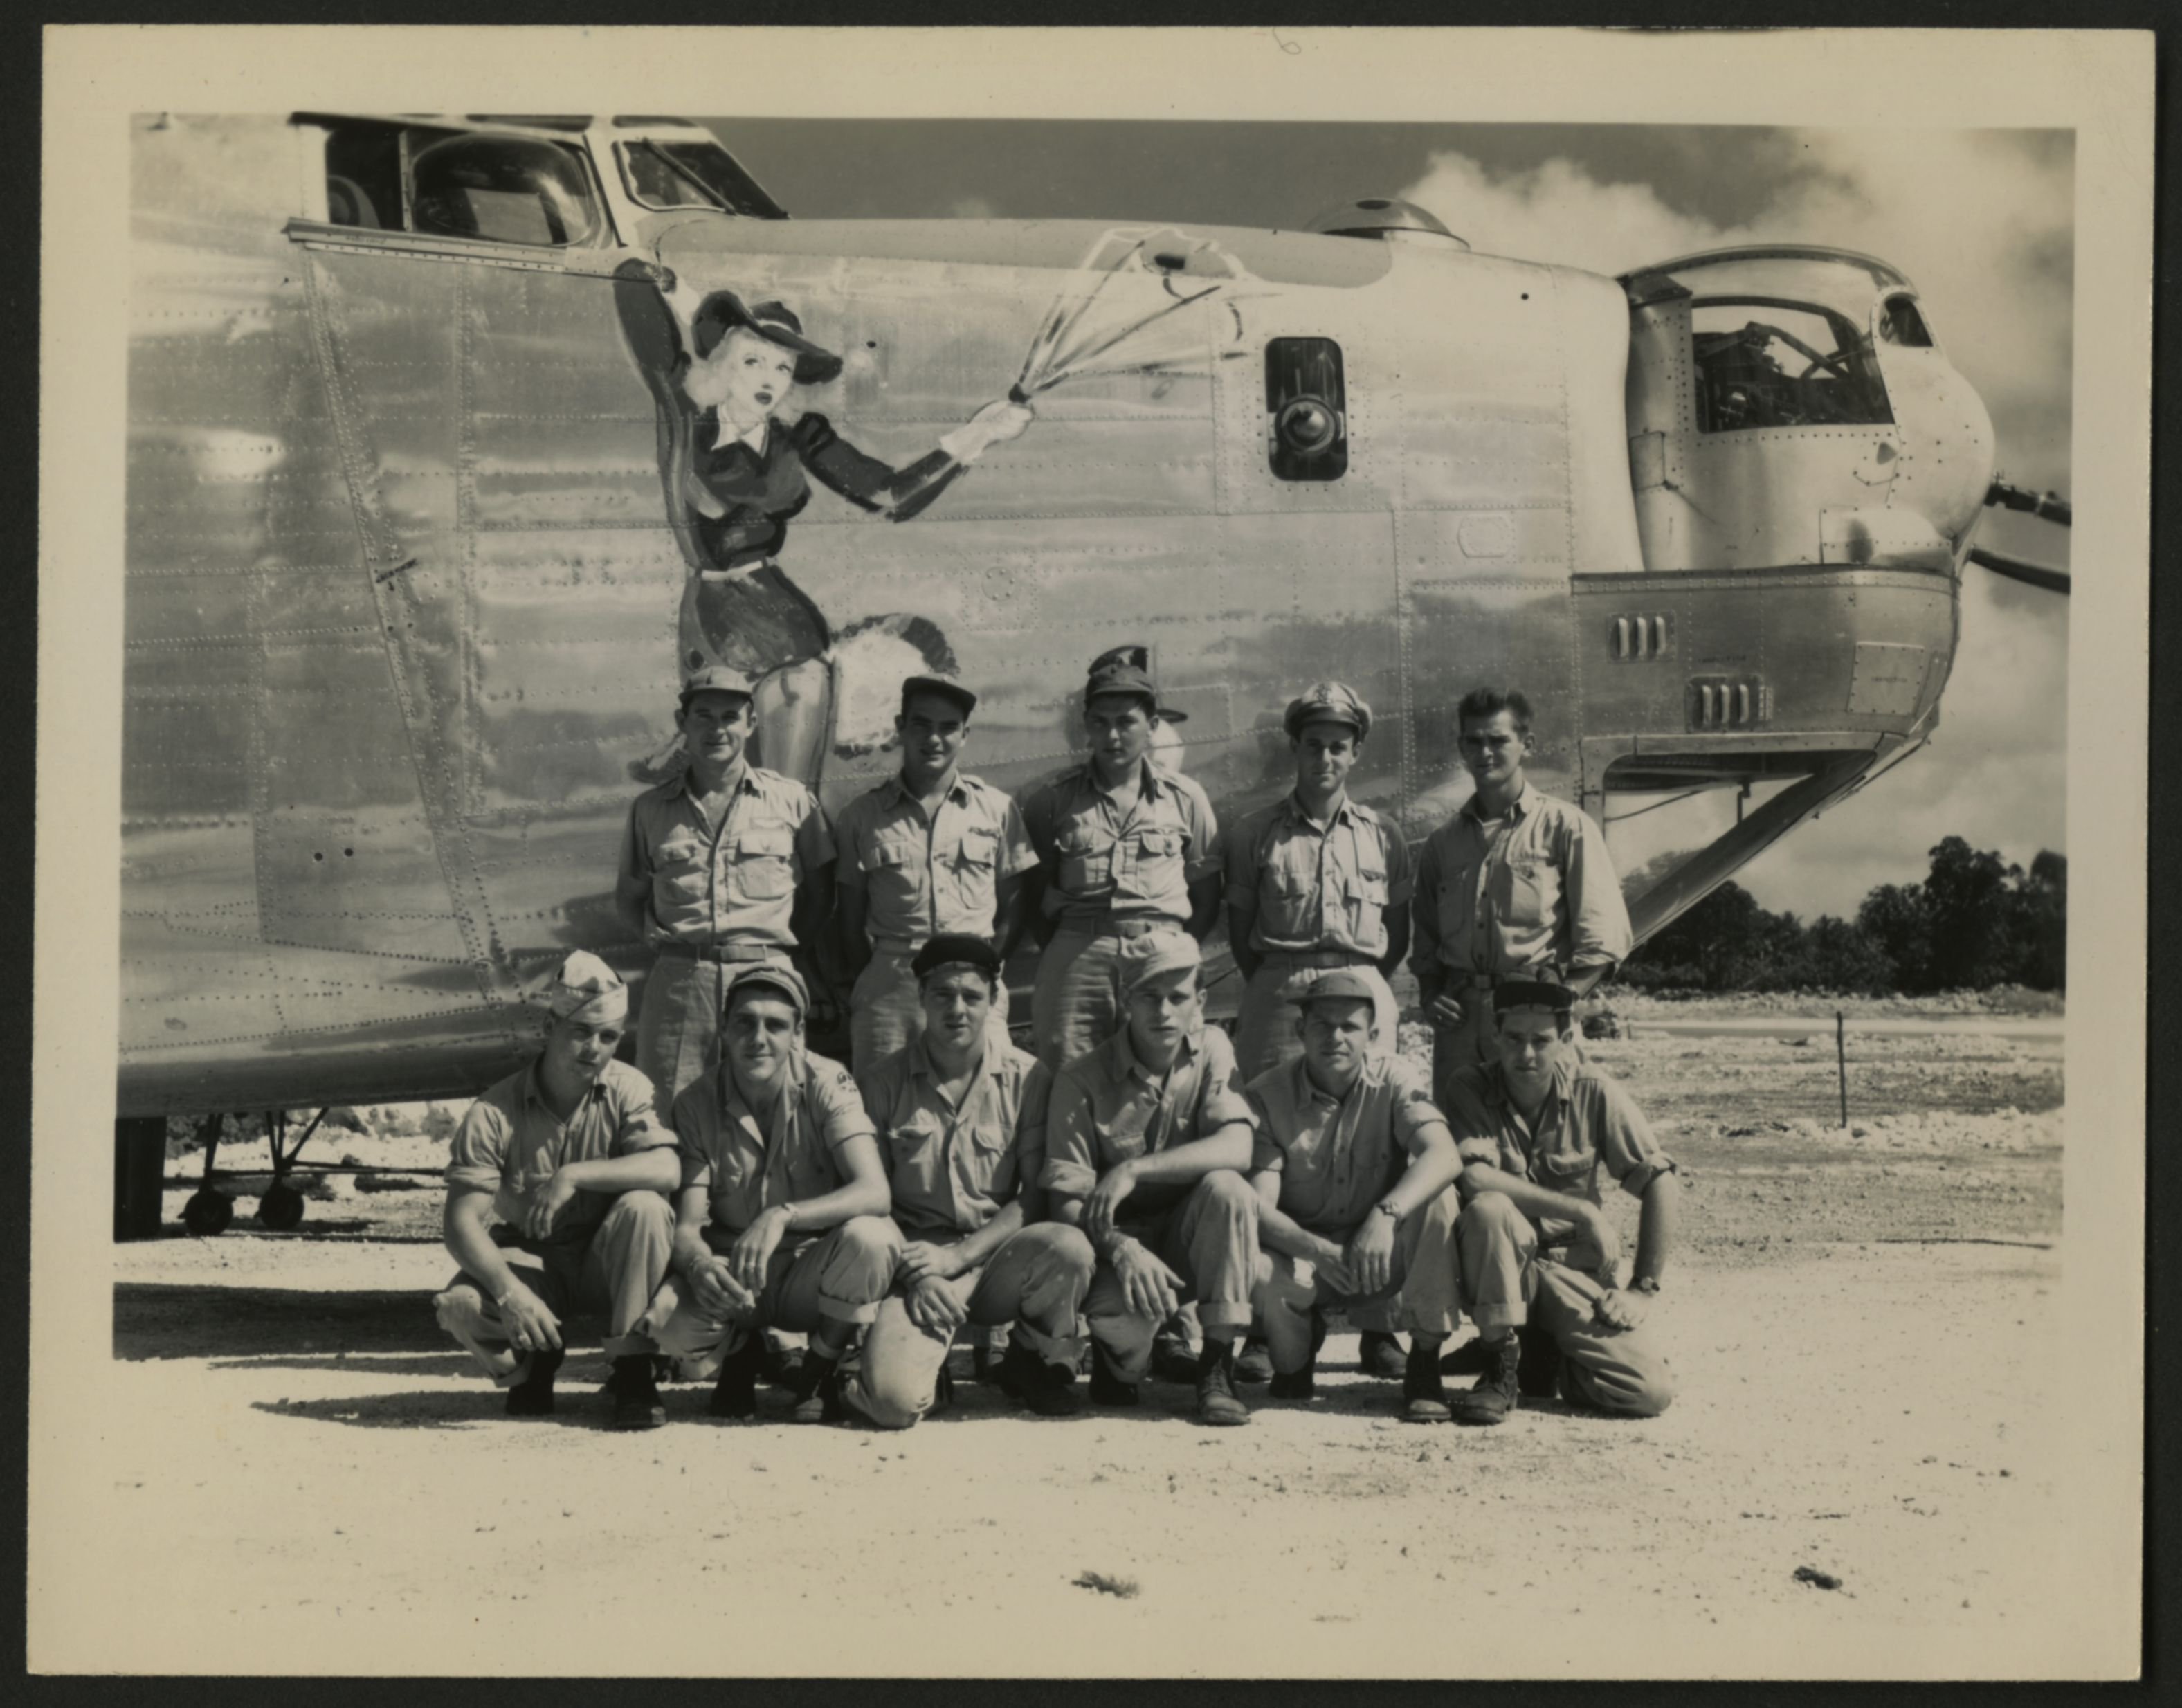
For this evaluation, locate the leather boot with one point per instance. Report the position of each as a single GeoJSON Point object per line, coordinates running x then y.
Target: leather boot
{"type": "Point", "coordinates": [1217, 1403]}
{"type": "Point", "coordinates": [637, 1404]}
{"type": "Point", "coordinates": [533, 1396]}
{"type": "Point", "coordinates": [1498, 1392]}
{"type": "Point", "coordinates": [735, 1393]}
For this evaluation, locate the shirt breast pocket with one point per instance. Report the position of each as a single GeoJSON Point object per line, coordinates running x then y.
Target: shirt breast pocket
{"type": "Point", "coordinates": [1086, 861]}
{"type": "Point", "coordinates": [763, 867]}
{"type": "Point", "coordinates": [1525, 887]}
{"type": "Point", "coordinates": [1153, 854]}
{"type": "Point", "coordinates": [1368, 887]}
{"type": "Point", "coordinates": [679, 861]}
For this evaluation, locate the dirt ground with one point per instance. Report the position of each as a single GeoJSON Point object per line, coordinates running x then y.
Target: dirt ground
{"type": "Point", "coordinates": [1863, 1323]}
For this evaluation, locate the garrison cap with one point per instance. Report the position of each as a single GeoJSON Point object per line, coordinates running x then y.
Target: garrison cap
{"type": "Point", "coordinates": [717, 679]}
{"type": "Point", "coordinates": [763, 975]}
{"type": "Point", "coordinates": [1343, 984]}
{"type": "Point", "coordinates": [946, 687]}
{"type": "Point", "coordinates": [583, 987]}
{"type": "Point", "coordinates": [1123, 670]}
{"type": "Point", "coordinates": [1532, 993]}
{"type": "Point", "coordinates": [955, 949]}
{"type": "Point", "coordinates": [1328, 702]}
{"type": "Point", "coordinates": [1172, 951]}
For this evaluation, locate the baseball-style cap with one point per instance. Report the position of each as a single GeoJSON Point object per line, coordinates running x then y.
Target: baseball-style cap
{"type": "Point", "coordinates": [1532, 993]}
{"type": "Point", "coordinates": [1167, 951]}
{"type": "Point", "coordinates": [717, 679]}
{"type": "Point", "coordinates": [1123, 670]}
{"type": "Point", "coordinates": [1343, 984]}
{"type": "Point", "coordinates": [1328, 702]}
{"type": "Point", "coordinates": [945, 686]}
{"type": "Point", "coordinates": [955, 949]}
{"type": "Point", "coordinates": [764, 975]}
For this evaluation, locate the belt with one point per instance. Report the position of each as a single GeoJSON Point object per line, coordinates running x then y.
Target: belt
{"type": "Point", "coordinates": [723, 953]}
{"type": "Point", "coordinates": [1473, 981]}
{"type": "Point", "coordinates": [1318, 958]}
{"type": "Point", "coordinates": [1128, 928]}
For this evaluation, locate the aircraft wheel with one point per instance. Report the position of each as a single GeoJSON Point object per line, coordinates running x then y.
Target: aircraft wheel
{"type": "Point", "coordinates": [281, 1208]}
{"type": "Point", "coordinates": [207, 1212]}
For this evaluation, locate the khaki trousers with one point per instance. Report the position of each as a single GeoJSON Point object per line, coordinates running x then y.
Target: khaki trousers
{"type": "Point", "coordinates": [841, 1275]}
{"type": "Point", "coordinates": [1506, 1283]}
{"type": "Point", "coordinates": [884, 1013]}
{"type": "Point", "coordinates": [1036, 1281]}
{"type": "Point", "coordinates": [1265, 1035]}
{"type": "Point", "coordinates": [1423, 1298]}
{"type": "Point", "coordinates": [616, 1271]}
{"type": "Point", "coordinates": [1210, 1240]}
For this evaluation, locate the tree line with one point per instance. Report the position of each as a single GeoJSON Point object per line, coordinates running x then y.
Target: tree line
{"type": "Point", "coordinates": [1976, 921]}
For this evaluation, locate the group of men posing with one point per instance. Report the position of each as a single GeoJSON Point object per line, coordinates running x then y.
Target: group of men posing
{"type": "Point", "coordinates": [1140, 1169]}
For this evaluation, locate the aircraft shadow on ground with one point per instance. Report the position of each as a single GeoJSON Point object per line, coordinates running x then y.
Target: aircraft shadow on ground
{"type": "Point", "coordinates": [439, 1409]}
{"type": "Point", "coordinates": [163, 1320]}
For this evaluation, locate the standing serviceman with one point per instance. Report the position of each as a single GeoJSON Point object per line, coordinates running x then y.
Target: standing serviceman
{"type": "Point", "coordinates": [1129, 859]}
{"type": "Point", "coordinates": [782, 1218]}
{"type": "Point", "coordinates": [1354, 1169]}
{"type": "Point", "coordinates": [931, 851]}
{"type": "Point", "coordinates": [958, 1117]}
{"type": "Point", "coordinates": [723, 866]}
{"type": "Point", "coordinates": [1146, 1139]}
{"type": "Point", "coordinates": [1535, 1129]}
{"type": "Point", "coordinates": [1515, 885]}
{"type": "Point", "coordinates": [569, 1153]}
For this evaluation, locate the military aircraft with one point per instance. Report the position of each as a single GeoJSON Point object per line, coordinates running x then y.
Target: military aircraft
{"type": "Point", "coordinates": [414, 556]}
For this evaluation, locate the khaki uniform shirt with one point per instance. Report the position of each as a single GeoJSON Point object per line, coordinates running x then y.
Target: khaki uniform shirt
{"type": "Point", "coordinates": [1589, 1123]}
{"type": "Point", "coordinates": [1336, 1158]}
{"type": "Point", "coordinates": [1314, 886]}
{"type": "Point", "coordinates": [734, 885]}
{"type": "Point", "coordinates": [747, 1165]}
{"type": "Point", "coordinates": [509, 1141]}
{"type": "Point", "coordinates": [923, 877]}
{"type": "Point", "coordinates": [953, 1166]}
{"type": "Point", "coordinates": [1107, 1107]}
{"type": "Point", "coordinates": [1532, 889]}
{"type": "Point", "coordinates": [1103, 862]}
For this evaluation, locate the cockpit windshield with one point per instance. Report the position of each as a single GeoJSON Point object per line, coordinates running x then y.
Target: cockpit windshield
{"type": "Point", "coordinates": [666, 173]}
{"type": "Point", "coordinates": [1772, 362]}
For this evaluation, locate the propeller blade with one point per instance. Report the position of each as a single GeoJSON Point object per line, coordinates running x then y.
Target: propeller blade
{"type": "Point", "coordinates": [2035, 574]}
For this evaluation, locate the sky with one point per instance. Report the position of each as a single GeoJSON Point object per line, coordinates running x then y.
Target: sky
{"type": "Point", "coordinates": [1983, 221]}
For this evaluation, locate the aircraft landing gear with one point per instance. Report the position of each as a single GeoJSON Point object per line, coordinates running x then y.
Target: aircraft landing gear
{"type": "Point", "coordinates": [207, 1212]}
{"type": "Point", "coordinates": [281, 1208]}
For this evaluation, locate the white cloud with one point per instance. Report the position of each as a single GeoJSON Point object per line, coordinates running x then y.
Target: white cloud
{"type": "Point", "coordinates": [1983, 221]}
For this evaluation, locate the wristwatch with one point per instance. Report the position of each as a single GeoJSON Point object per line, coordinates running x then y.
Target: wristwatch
{"type": "Point", "coordinates": [1649, 1284]}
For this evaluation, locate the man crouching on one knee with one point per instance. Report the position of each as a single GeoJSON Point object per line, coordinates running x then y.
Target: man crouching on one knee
{"type": "Point", "coordinates": [1355, 1172]}
{"type": "Point", "coordinates": [961, 1118]}
{"type": "Point", "coordinates": [1147, 1137]}
{"type": "Point", "coordinates": [1535, 1249]}
{"type": "Point", "coordinates": [782, 1219]}
{"type": "Point", "coordinates": [567, 1151]}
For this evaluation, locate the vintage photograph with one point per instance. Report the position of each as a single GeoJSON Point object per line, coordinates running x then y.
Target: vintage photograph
{"type": "Point", "coordinates": [950, 865]}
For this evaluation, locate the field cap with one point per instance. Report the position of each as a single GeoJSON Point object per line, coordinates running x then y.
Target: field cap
{"type": "Point", "coordinates": [1172, 951]}
{"type": "Point", "coordinates": [763, 975]}
{"type": "Point", "coordinates": [944, 686]}
{"type": "Point", "coordinates": [955, 949]}
{"type": "Point", "coordinates": [584, 988]}
{"type": "Point", "coordinates": [1328, 702]}
{"type": "Point", "coordinates": [1123, 670]}
{"type": "Point", "coordinates": [1343, 984]}
{"type": "Point", "coordinates": [722, 312]}
{"type": "Point", "coordinates": [1532, 993]}
{"type": "Point", "coordinates": [717, 679]}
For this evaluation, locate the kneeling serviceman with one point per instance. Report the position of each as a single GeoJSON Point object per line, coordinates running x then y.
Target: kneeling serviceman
{"type": "Point", "coordinates": [1534, 1129]}
{"type": "Point", "coordinates": [781, 1220]}
{"type": "Point", "coordinates": [1147, 1137]}
{"type": "Point", "coordinates": [956, 1113]}
{"type": "Point", "coordinates": [1354, 1172]}
{"type": "Point", "coordinates": [567, 1152]}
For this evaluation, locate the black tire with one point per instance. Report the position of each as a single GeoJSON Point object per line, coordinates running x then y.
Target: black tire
{"type": "Point", "coordinates": [207, 1212]}
{"type": "Point", "coordinates": [281, 1208]}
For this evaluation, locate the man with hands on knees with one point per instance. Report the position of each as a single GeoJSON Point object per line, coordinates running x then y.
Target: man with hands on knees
{"type": "Point", "coordinates": [1535, 1245]}
{"type": "Point", "coordinates": [1147, 1137]}
{"type": "Point", "coordinates": [569, 1152]}
{"type": "Point", "coordinates": [960, 1120]}
{"type": "Point", "coordinates": [1354, 1170]}
{"type": "Point", "coordinates": [782, 1218]}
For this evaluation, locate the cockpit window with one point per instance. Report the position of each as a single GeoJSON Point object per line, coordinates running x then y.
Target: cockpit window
{"type": "Point", "coordinates": [1902, 322]}
{"type": "Point", "coordinates": [1768, 362]}
{"type": "Point", "coordinates": [504, 190]}
{"type": "Point", "coordinates": [663, 175]}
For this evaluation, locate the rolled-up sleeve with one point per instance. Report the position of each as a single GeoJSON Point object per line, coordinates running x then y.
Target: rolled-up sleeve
{"type": "Point", "coordinates": [478, 1153]}
{"type": "Point", "coordinates": [1071, 1139]}
{"type": "Point", "coordinates": [1476, 1133]}
{"type": "Point", "coordinates": [1267, 1156]}
{"type": "Point", "coordinates": [637, 1126]}
{"type": "Point", "coordinates": [838, 1108]}
{"type": "Point", "coordinates": [1030, 1138]}
{"type": "Point", "coordinates": [1205, 852]}
{"type": "Point", "coordinates": [694, 1125]}
{"type": "Point", "coordinates": [1626, 1149]}
{"type": "Point", "coordinates": [1413, 1110]}
{"type": "Point", "coordinates": [1220, 1099]}
{"type": "Point", "coordinates": [1017, 853]}
{"type": "Point", "coordinates": [1598, 917]}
